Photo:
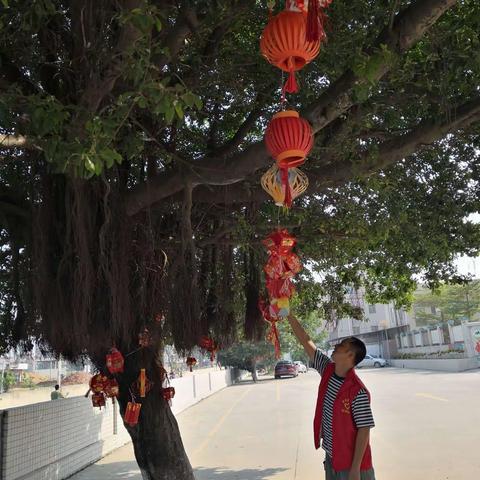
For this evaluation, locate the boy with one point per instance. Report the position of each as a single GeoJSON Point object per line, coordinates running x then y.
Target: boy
{"type": "Point", "coordinates": [343, 416]}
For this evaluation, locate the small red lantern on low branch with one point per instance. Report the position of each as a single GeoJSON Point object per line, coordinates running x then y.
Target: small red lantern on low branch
{"type": "Point", "coordinates": [209, 345]}
{"type": "Point", "coordinates": [191, 362]}
{"type": "Point", "coordinates": [132, 413]}
{"type": "Point", "coordinates": [115, 361]}
{"type": "Point", "coordinates": [168, 393]}
{"type": "Point", "coordinates": [111, 388]}
{"type": "Point", "coordinates": [284, 42]}
{"type": "Point", "coordinates": [289, 140]}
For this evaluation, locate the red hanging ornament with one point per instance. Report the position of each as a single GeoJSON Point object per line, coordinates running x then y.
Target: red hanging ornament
{"type": "Point", "coordinates": [284, 43]}
{"type": "Point", "coordinates": [272, 334]}
{"type": "Point", "coordinates": [168, 393]}
{"type": "Point", "coordinates": [289, 139]}
{"type": "Point", "coordinates": [115, 361]}
{"type": "Point", "coordinates": [111, 388]}
{"type": "Point", "coordinates": [209, 345]}
{"type": "Point", "coordinates": [142, 386]}
{"type": "Point", "coordinates": [98, 382]}
{"type": "Point", "coordinates": [98, 400]}
{"type": "Point", "coordinates": [132, 413]}
{"type": "Point", "coordinates": [191, 362]}
{"type": "Point", "coordinates": [141, 382]}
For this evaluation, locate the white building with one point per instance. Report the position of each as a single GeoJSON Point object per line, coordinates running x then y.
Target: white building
{"type": "Point", "coordinates": [381, 329]}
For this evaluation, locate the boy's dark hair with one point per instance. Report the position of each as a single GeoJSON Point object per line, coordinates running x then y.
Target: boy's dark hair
{"type": "Point", "coordinates": [57, 386]}
{"type": "Point", "coordinates": [358, 348]}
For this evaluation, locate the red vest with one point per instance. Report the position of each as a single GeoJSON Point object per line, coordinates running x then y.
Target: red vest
{"type": "Point", "coordinates": [344, 429]}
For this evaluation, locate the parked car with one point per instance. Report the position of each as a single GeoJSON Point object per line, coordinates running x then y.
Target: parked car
{"type": "Point", "coordinates": [371, 361]}
{"type": "Point", "coordinates": [301, 368]}
{"type": "Point", "coordinates": [284, 368]}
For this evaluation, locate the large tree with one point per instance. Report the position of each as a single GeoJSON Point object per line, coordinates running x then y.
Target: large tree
{"type": "Point", "coordinates": [131, 149]}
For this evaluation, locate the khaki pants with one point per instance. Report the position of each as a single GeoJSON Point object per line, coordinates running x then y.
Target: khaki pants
{"type": "Point", "coordinates": [331, 474]}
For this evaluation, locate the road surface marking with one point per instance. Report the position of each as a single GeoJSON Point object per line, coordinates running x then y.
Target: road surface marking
{"type": "Point", "coordinates": [216, 428]}
{"type": "Point", "coordinates": [432, 397]}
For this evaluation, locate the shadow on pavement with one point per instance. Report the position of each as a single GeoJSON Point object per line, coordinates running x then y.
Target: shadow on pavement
{"type": "Point", "coordinates": [223, 473]}
{"type": "Point", "coordinates": [110, 471]}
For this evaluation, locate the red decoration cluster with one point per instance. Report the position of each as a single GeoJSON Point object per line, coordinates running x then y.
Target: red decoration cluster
{"type": "Point", "coordinates": [102, 388]}
{"type": "Point", "coordinates": [132, 413]}
{"type": "Point", "coordinates": [281, 267]}
{"type": "Point", "coordinates": [208, 344]}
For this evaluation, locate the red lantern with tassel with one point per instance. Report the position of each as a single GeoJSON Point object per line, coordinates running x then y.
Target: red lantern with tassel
{"type": "Point", "coordinates": [191, 362]}
{"type": "Point", "coordinates": [289, 140]}
{"type": "Point", "coordinates": [132, 413]}
{"type": "Point", "coordinates": [115, 361]}
{"type": "Point", "coordinates": [284, 43]}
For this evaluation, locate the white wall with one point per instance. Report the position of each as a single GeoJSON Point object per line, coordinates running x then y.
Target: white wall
{"type": "Point", "coordinates": [53, 440]}
{"type": "Point", "coordinates": [443, 365]}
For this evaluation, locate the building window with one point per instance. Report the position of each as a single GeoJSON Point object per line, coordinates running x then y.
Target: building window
{"type": "Point", "coordinates": [372, 309]}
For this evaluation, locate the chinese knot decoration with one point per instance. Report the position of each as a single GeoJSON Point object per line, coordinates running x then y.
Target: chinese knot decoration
{"type": "Point", "coordinates": [168, 393]}
{"type": "Point", "coordinates": [206, 343]}
{"type": "Point", "coordinates": [289, 140]}
{"type": "Point", "coordinates": [115, 361]}
{"type": "Point", "coordinates": [286, 42]}
{"type": "Point", "coordinates": [191, 362]}
{"type": "Point", "coordinates": [281, 267]}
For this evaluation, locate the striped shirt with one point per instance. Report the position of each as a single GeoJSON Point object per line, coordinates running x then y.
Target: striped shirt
{"type": "Point", "coordinates": [361, 411]}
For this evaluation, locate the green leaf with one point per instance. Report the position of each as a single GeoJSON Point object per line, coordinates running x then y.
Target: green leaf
{"type": "Point", "coordinates": [110, 156]}
{"type": "Point", "coordinates": [158, 24]}
{"type": "Point", "coordinates": [5, 3]}
{"type": "Point", "coordinates": [89, 165]}
{"type": "Point", "coordinates": [179, 109]}
{"type": "Point", "coordinates": [169, 114]}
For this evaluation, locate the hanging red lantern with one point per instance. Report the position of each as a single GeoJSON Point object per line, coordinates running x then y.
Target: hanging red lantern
{"type": "Point", "coordinates": [284, 43]}
{"type": "Point", "coordinates": [191, 362]}
{"type": "Point", "coordinates": [209, 345]}
{"type": "Point", "coordinates": [289, 140]}
{"type": "Point", "coordinates": [132, 413]}
{"type": "Point", "coordinates": [98, 382]}
{"type": "Point", "coordinates": [98, 400]}
{"type": "Point", "coordinates": [168, 393]}
{"type": "Point", "coordinates": [115, 361]}
{"type": "Point", "coordinates": [111, 388]}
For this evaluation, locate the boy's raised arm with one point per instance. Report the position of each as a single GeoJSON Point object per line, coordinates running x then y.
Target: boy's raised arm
{"type": "Point", "coordinates": [302, 336]}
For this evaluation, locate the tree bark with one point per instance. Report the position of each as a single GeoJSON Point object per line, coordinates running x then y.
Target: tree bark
{"type": "Point", "coordinates": [157, 443]}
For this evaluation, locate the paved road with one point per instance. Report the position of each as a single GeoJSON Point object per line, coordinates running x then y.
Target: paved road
{"type": "Point", "coordinates": [428, 428]}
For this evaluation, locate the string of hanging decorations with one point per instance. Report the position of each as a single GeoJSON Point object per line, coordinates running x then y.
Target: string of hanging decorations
{"type": "Point", "coordinates": [291, 39]}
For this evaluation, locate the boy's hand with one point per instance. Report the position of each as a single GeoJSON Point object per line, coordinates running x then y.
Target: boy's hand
{"type": "Point", "coordinates": [354, 475]}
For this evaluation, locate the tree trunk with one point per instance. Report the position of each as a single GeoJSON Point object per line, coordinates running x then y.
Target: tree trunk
{"type": "Point", "coordinates": [254, 371]}
{"type": "Point", "coordinates": [157, 443]}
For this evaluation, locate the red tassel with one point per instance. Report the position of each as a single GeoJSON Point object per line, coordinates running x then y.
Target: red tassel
{"type": "Point", "coordinates": [313, 21]}
{"type": "Point", "coordinates": [288, 192]}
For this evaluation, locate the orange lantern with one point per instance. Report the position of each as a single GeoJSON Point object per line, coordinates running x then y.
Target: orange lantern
{"type": "Point", "coordinates": [284, 43]}
{"type": "Point", "coordinates": [132, 413]}
{"type": "Point", "coordinates": [115, 361]}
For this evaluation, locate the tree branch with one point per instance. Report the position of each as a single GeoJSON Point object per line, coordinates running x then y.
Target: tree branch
{"type": "Point", "coordinates": [408, 27]}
